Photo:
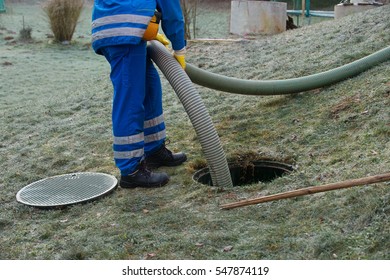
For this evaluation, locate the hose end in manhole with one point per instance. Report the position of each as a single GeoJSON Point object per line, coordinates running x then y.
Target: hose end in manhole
{"type": "Point", "coordinates": [248, 173]}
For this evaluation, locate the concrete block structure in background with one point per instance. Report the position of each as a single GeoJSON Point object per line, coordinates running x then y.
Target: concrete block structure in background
{"type": "Point", "coordinates": [257, 17]}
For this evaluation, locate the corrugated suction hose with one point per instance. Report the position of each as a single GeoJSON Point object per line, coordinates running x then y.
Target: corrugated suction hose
{"type": "Point", "coordinates": [194, 106]}
{"type": "Point", "coordinates": [199, 116]}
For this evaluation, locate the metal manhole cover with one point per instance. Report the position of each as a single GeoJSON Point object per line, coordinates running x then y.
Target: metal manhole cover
{"type": "Point", "coordinates": [66, 189]}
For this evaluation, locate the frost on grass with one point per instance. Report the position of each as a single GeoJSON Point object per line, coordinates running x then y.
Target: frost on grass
{"type": "Point", "coordinates": [55, 118]}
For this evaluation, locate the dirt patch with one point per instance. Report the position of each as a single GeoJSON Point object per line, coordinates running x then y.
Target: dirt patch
{"type": "Point", "coordinates": [344, 106]}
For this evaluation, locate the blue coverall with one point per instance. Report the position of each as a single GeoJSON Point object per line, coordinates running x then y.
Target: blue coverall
{"type": "Point", "coordinates": [137, 114]}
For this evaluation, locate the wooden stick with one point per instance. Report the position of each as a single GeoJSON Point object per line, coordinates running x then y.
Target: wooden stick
{"type": "Point", "coordinates": [310, 190]}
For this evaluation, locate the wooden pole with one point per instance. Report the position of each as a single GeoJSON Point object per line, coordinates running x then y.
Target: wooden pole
{"type": "Point", "coordinates": [310, 190]}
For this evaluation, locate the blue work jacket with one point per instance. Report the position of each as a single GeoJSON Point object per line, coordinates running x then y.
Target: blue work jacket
{"type": "Point", "coordinates": [119, 22]}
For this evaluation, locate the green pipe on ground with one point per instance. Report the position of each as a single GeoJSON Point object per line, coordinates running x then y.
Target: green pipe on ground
{"type": "Point", "coordinates": [287, 86]}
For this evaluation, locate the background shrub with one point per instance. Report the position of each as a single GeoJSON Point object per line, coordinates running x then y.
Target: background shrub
{"type": "Point", "coordinates": [63, 16]}
{"type": "Point", "coordinates": [189, 8]}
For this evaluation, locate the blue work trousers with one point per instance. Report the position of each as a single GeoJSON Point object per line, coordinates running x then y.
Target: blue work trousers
{"type": "Point", "coordinates": [137, 113]}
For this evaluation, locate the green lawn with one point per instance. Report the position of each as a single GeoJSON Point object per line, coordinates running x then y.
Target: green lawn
{"type": "Point", "coordinates": [55, 119]}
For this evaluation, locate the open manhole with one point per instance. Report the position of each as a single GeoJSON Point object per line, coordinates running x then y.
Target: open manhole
{"type": "Point", "coordinates": [250, 173]}
{"type": "Point", "coordinates": [63, 190]}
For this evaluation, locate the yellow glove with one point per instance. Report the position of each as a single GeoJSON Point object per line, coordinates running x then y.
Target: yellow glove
{"type": "Point", "coordinates": [181, 57]}
{"type": "Point", "coordinates": [162, 39]}
{"type": "Point", "coordinates": [152, 29]}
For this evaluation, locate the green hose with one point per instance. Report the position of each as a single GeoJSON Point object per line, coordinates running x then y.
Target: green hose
{"type": "Point", "coordinates": [288, 86]}
{"type": "Point", "coordinates": [193, 104]}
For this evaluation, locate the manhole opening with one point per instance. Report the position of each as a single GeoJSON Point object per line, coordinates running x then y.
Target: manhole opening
{"type": "Point", "coordinates": [249, 173]}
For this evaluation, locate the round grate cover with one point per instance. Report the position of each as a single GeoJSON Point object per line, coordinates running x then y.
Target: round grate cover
{"type": "Point", "coordinates": [66, 189]}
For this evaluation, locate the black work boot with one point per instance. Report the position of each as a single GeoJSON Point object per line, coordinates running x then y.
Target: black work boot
{"type": "Point", "coordinates": [164, 157]}
{"type": "Point", "coordinates": [144, 178]}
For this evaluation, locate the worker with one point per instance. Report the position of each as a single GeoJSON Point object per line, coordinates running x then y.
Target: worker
{"type": "Point", "coordinates": [120, 30]}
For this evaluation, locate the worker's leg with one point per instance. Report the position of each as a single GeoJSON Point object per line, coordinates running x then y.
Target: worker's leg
{"type": "Point", "coordinates": [128, 68]}
{"type": "Point", "coordinates": [155, 151]}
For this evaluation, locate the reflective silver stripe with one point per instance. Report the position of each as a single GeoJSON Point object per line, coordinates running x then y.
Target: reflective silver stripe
{"type": "Point", "coordinates": [154, 122]}
{"type": "Point", "coordinates": [155, 137]}
{"type": "Point", "coordinates": [114, 32]}
{"type": "Point", "coordinates": [125, 140]}
{"type": "Point", "coordinates": [129, 154]}
{"type": "Point", "coordinates": [129, 18]}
